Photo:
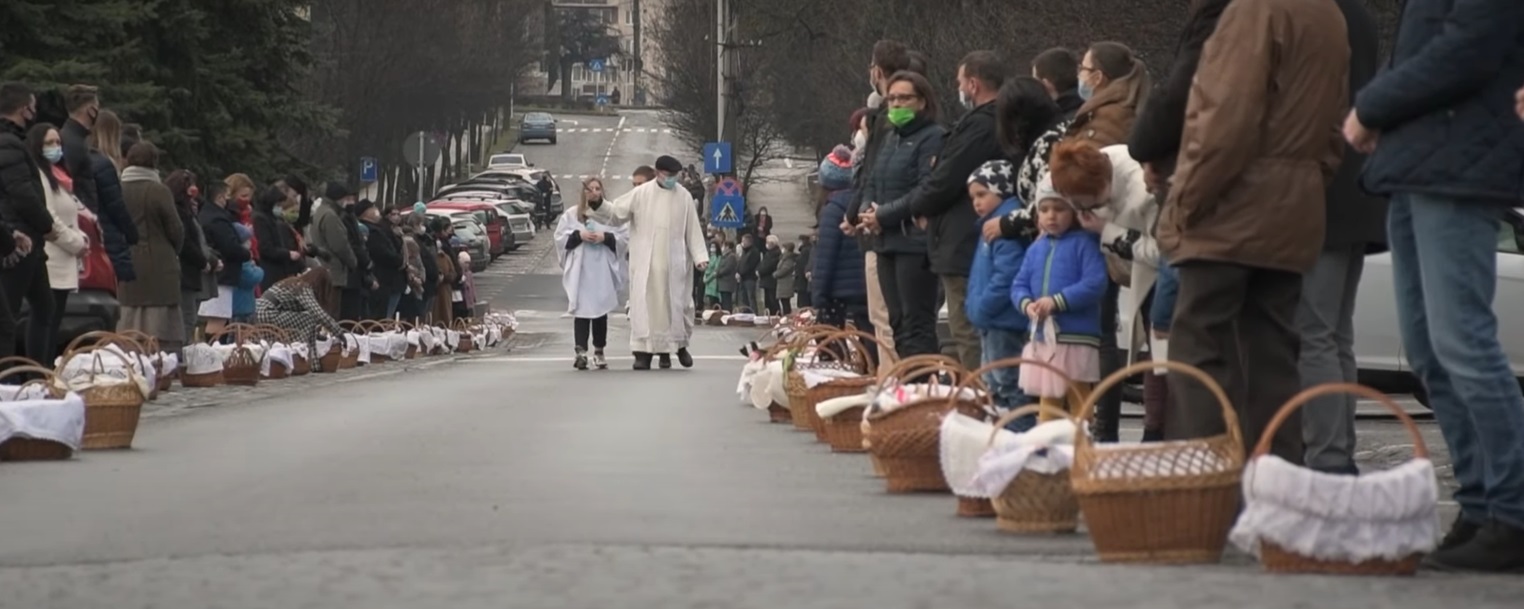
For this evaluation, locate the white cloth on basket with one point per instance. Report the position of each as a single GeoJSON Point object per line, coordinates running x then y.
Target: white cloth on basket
{"type": "Point", "coordinates": [1382, 515]}
{"type": "Point", "coordinates": [835, 406]}
{"type": "Point", "coordinates": [201, 358]}
{"type": "Point", "coordinates": [963, 441]}
{"type": "Point", "coordinates": [893, 396]}
{"type": "Point", "coordinates": [1047, 448]}
{"type": "Point", "coordinates": [278, 353]}
{"type": "Point", "coordinates": [58, 420]}
{"type": "Point", "coordinates": [815, 376]}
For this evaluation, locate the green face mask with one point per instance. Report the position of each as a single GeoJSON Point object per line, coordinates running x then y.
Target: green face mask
{"type": "Point", "coordinates": [900, 117]}
{"type": "Point", "coordinates": [291, 214]}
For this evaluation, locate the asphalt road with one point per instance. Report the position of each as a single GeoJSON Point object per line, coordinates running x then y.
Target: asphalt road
{"type": "Point", "coordinates": [515, 481]}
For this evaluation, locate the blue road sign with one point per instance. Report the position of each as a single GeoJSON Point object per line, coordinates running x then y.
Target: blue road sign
{"type": "Point", "coordinates": [727, 208]}
{"type": "Point", "coordinates": [369, 169]}
{"type": "Point", "coordinates": [717, 158]}
{"type": "Point", "coordinates": [595, 65]}
{"type": "Point", "coordinates": [603, 100]}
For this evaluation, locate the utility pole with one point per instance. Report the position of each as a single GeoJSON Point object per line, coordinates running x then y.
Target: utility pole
{"type": "Point", "coordinates": [722, 69]}
{"type": "Point", "coordinates": [639, 48]}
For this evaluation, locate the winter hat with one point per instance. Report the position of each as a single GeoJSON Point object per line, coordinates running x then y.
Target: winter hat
{"type": "Point", "coordinates": [363, 206]}
{"type": "Point", "coordinates": [997, 176]}
{"type": "Point", "coordinates": [420, 209]}
{"type": "Point", "coordinates": [836, 169]}
{"type": "Point", "coordinates": [337, 191]}
{"type": "Point", "coordinates": [1045, 191]}
{"type": "Point", "coordinates": [668, 164]}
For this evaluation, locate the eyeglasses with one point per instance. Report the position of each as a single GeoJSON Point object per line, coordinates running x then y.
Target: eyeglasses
{"type": "Point", "coordinates": [902, 98]}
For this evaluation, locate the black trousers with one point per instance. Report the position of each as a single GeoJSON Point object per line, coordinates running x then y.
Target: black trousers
{"type": "Point", "coordinates": [598, 327]}
{"type": "Point", "coordinates": [1108, 410]}
{"type": "Point", "coordinates": [784, 306]}
{"type": "Point", "coordinates": [770, 300]}
{"type": "Point", "coordinates": [1238, 325]}
{"type": "Point", "coordinates": [351, 304]}
{"type": "Point", "coordinates": [910, 291]}
{"type": "Point", "coordinates": [725, 300]}
{"type": "Point", "coordinates": [28, 281]}
{"type": "Point", "coordinates": [698, 291]}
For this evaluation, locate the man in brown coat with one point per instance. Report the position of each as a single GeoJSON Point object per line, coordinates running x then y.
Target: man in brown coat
{"type": "Point", "coordinates": [1244, 219]}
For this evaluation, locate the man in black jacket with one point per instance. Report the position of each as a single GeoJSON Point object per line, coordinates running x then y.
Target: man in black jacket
{"type": "Point", "coordinates": [84, 104]}
{"type": "Point", "coordinates": [1326, 316]}
{"type": "Point", "coordinates": [383, 242]}
{"type": "Point", "coordinates": [751, 259]}
{"type": "Point", "coordinates": [942, 197]}
{"type": "Point", "coordinates": [1058, 69]}
{"type": "Point", "coordinates": [20, 191]}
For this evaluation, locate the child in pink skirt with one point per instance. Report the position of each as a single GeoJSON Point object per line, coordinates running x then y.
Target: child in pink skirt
{"type": "Point", "coordinates": [1059, 287]}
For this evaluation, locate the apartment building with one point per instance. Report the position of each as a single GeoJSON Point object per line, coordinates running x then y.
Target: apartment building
{"type": "Point", "coordinates": [619, 71]}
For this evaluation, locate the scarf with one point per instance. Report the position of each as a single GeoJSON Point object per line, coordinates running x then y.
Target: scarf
{"type": "Point", "coordinates": [141, 174]}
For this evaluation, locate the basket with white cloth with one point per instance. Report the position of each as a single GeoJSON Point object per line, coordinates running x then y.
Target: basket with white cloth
{"type": "Point", "coordinates": [113, 393]}
{"type": "Point", "coordinates": [165, 365]}
{"type": "Point", "coordinates": [847, 372]}
{"type": "Point", "coordinates": [39, 421]}
{"type": "Point", "coordinates": [203, 366]}
{"type": "Point", "coordinates": [1026, 475]}
{"type": "Point", "coordinates": [1297, 520]}
{"type": "Point", "coordinates": [243, 357]}
{"type": "Point", "coordinates": [902, 426]}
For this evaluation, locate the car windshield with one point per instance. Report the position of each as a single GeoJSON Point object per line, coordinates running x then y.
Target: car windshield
{"type": "Point", "coordinates": [537, 117]}
{"type": "Point", "coordinates": [507, 159]}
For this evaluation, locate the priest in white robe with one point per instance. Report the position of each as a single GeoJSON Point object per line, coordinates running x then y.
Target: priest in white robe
{"type": "Point", "coordinates": [666, 243]}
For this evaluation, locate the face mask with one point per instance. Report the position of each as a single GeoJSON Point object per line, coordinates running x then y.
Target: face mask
{"type": "Point", "coordinates": [669, 182]}
{"type": "Point", "coordinates": [291, 214]}
{"type": "Point", "coordinates": [53, 154]}
{"type": "Point", "coordinates": [243, 202]}
{"type": "Point", "coordinates": [193, 192]}
{"type": "Point", "coordinates": [965, 99]}
{"type": "Point", "coordinates": [900, 117]}
{"type": "Point", "coordinates": [1085, 90]}
{"type": "Point", "coordinates": [859, 139]}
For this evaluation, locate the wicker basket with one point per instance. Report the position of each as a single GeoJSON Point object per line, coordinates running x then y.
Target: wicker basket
{"type": "Point", "coordinates": [241, 367]}
{"type": "Point", "coordinates": [907, 440]}
{"type": "Point", "coordinates": [717, 319]}
{"type": "Point", "coordinates": [137, 344]}
{"type": "Point", "coordinates": [1035, 502]}
{"type": "Point", "coordinates": [163, 381]}
{"type": "Point", "coordinates": [34, 449]}
{"type": "Point", "coordinates": [467, 341]}
{"type": "Point", "coordinates": [111, 411]}
{"type": "Point", "coordinates": [1276, 559]}
{"type": "Point", "coordinates": [1182, 516]}
{"type": "Point", "coordinates": [844, 431]}
{"type": "Point", "coordinates": [330, 362]}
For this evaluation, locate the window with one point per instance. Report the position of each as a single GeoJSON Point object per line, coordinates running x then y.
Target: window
{"type": "Point", "coordinates": [629, 16]}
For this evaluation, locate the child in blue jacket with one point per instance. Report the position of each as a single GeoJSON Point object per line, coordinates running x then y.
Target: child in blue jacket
{"type": "Point", "coordinates": [1060, 287]}
{"type": "Point", "coordinates": [1002, 328]}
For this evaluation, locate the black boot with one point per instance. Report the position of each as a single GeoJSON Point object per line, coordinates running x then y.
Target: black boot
{"type": "Point", "coordinates": [664, 360]}
{"type": "Point", "coordinates": [580, 362]}
{"type": "Point", "coordinates": [1153, 435]}
{"type": "Point", "coordinates": [642, 361]}
{"type": "Point", "coordinates": [684, 358]}
{"type": "Point", "coordinates": [1496, 548]}
{"type": "Point", "coordinates": [1461, 531]}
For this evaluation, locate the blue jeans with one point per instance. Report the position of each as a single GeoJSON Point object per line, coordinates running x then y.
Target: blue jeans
{"type": "Point", "coordinates": [1166, 288]}
{"type": "Point", "coordinates": [1444, 270]}
{"type": "Point", "coordinates": [1005, 383]}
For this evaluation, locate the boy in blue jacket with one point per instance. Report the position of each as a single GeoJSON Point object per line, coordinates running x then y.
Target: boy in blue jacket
{"type": "Point", "coordinates": [1002, 329]}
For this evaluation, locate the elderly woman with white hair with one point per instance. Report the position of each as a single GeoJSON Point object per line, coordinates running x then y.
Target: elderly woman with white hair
{"type": "Point", "coordinates": [766, 281]}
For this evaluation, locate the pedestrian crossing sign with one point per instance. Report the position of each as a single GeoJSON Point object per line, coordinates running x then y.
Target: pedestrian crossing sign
{"type": "Point", "coordinates": [727, 215]}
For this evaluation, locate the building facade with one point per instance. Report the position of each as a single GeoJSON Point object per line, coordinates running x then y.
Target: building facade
{"type": "Point", "coordinates": [621, 72]}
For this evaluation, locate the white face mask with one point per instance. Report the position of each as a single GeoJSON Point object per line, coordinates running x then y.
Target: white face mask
{"type": "Point", "coordinates": [859, 139]}
{"type": "Point", "coordinates": [965, 99]}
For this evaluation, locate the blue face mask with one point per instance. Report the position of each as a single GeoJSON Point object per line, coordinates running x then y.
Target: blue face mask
{"type": "Point", "coordinates": [53, 154]}
{"type": "Point", "coordinates": [669, 182]}
{"type": "Point", "coordinates": [1085, 90]}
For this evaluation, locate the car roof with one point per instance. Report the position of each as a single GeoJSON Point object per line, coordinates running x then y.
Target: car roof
{"type": "Point", "coordinates": [458, 204]}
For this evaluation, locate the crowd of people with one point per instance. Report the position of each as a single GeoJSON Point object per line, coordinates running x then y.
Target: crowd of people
{"type": "Point", "coordinates": [192, 255]}
{"type": "Point", "coordinates": [1235, 198]}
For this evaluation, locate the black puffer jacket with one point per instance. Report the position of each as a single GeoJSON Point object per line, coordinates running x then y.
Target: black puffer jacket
{"type": "Point", "coordinates": [942, 197]}
{"type": "Point", "coordinates": [903, 161]}
{"type": "Point", "coordinates": [118, 232]}
{"type": "Point", "coordinates": [217, 226]}
{"type": "Point", "coordinates": [22, 206]}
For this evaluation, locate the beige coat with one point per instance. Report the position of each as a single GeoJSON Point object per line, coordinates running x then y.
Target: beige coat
{"type": "Point", "coordinates": [68, 248]}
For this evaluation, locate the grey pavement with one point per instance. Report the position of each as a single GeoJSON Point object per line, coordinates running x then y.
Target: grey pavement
{"type": "Point", "coordinates": [512, 480]}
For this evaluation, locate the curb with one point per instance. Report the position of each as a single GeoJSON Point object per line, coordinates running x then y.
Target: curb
{"type": "Point", "coordinates": [175, 411]}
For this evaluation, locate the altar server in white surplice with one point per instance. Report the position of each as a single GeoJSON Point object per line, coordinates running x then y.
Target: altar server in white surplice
{"type": "Point", "coordinates": [592, 271]}
{"type": "Point", "coordinates": [666, 244]}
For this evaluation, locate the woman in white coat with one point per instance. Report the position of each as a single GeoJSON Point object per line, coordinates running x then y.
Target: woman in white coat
{"type": "Point", "coordinates": [1110, 184]}
{"type": "Point", "coordinates": [66, 245]}
{"type": "Point", "coordinates": [590, 255]}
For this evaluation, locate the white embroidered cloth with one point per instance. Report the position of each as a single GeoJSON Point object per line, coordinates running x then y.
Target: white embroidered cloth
{"type": "Point", "coordinates": [201, 358]}
{"type": "Point", "coordinates": [1003, 462]}
{"type": "Point", "coordinates": [1383, 515]}
{"type": "Point", "coordinates": [58, 420]}
{"type": "Point", "coordinates": [835, 406]}
{"type": "Point", "coordinates": [277, 353]}
{"type": "Point", "coordinates": [963, 440]}
{"type": "Point", "coordinates": [892, 397]}
{"type": "Point", "coordinates": [815, 376]}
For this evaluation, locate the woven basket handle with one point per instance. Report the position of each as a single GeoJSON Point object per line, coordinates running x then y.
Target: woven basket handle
{"type": "Point", "coordinates": [918, 363]}
{"type": "Point", "coordinates": [18, 360]}
{"type": "Point", "coordinates": [1006, 418]}
{"type": "Point", "coordinates": [149, 343]}
{"type": "Point", "coordinates": [96, 352]}
{"type": "Point", "coordinates": [103, 337]}
{"type": "Point", "coordinates": [47, 374]}
{"type": "Point", "coordinates": [1012, 362]}
{"type": "Point", "coordinates": [1420, 449]}
{"type": "Point", "coordinates": [1230, 417]}
{"type": "Point", "coordinates": [856, 343]}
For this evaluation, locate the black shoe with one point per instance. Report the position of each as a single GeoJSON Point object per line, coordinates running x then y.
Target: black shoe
{"type": "Point", "coordinates": [1461, 531]}
{"type": "Point", "coordinates": [665, 361]}
{"type": "Point", "coordinates": [1153, 435]}
{"type": "Point", "coordinates": [1495, 548]}
{"type": "Point", "coordinates": [581, 362]}
{"type": "Point", "coordinates": [684, 358]}
{"type": "Point", "coordinates": [642, 361]}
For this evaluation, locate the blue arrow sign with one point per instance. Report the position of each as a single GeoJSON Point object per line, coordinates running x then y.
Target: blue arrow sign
{"type": "Point", "coordinates": [603, 100]}
{"type": "Point", "coordinates": [717, 158]}
{"type": "Point", "coordinates": [727, 208]}
{"type": "Point", "coordinates": [369, 169]}
{"type": "Point", "coordinates": [595, 65]}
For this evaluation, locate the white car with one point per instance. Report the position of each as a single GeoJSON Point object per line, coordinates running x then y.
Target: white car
{"type": "Point", "coordinates": [508, 161]}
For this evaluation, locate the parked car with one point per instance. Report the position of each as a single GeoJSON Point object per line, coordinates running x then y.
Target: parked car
{"type": "Point", "coordinates": [537, 126]}
{"type": "Point", "coordinates": [94, 306]}
{"type": "Point", "coordinates": [508, 159]}
{"type": "Point", "coordinates": [475, 237]}
{"type": "Point", "coordinates": [518, 214]}
{"type": "Point", "coordinates": [498, 234]}
{"type": "Point", "coordinates": [530, 175]}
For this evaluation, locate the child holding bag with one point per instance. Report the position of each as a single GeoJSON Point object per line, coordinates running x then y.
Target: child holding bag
{"type": "Point", "coordinates": [1060, 287]}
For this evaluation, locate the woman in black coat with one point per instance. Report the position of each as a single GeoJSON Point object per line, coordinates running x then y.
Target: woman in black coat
{"type": "Point", "coordinates": [280, 255]}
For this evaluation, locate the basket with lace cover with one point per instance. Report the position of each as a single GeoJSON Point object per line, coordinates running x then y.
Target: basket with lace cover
{"type": "Point", "coordinates": [902, 426]}
{"type": "Point", "coordinates": [809, 352]}
{"type": "Point", "coordinates": [1297, 520]}
{"type": "Point", "coordinates": [967, 437]}
{"type": "Point", "coordinates": [112, 390]}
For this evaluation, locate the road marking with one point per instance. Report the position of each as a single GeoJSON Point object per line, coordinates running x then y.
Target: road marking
{"type": "Point", "coordinates": [604, 170]}
{"type": "Point", "coordinates": [565, 360]}
{"type": "Point", "coordinates": [616, 130]}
